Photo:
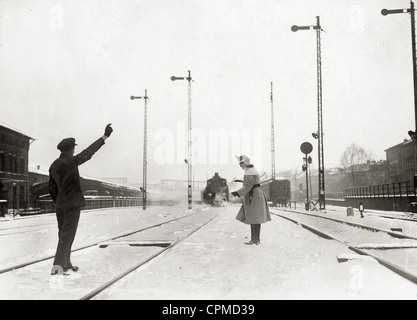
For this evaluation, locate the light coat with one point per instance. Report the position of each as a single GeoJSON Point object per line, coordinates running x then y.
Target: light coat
{"type": "Point", "coordinates": [254, 209]}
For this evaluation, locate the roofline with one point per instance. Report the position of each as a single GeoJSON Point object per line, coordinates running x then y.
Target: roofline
{"type": "Point", "coordinates": [32, 169]}
{"type": "Point", "coordinates": [4, 125]}
{"type": "Point", "coordinates": [399, 144]}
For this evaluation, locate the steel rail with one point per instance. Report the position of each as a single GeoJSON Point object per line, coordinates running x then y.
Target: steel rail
{"type": "Point", "coordinates": [402, 272]}
{"type": "Point", "coordinates": [29, 226]}
{"type": "Point", "coordinates": [359, 225]}
{"type": "Point", "coordinates": [406, 216]}
{"type": "Point", "coordinates": [130, 270]}
{"type": "Point", "coordinates": [24, 264]}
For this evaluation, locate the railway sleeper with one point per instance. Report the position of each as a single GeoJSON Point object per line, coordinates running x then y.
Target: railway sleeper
{"type": "Point", "coordinates": [137, 243]}
{"type": "Point", "coordinates": [382, 246]}
{"type": "Point", "coordinates": [348, 257]}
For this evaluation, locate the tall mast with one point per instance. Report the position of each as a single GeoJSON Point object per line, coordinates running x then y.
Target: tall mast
{"type": "Point", "coordinates": [272, 136]}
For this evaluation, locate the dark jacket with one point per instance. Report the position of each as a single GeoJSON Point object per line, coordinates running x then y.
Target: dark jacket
{"type": "Point", "coordinates": [64, 177]}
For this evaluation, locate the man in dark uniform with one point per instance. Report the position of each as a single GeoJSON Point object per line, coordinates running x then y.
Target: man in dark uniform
{"type": "Point", "coordinates": [65, 190]}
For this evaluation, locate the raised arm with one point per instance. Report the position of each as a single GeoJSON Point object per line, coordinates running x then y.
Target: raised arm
{"type": "Point", "coordinates": [86, 154]}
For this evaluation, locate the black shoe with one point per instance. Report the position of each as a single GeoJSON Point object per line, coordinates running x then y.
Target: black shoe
{"type": "Point", "coordinates": [60, 273]}
{"type": "Point", "coordinates": [73, 268]}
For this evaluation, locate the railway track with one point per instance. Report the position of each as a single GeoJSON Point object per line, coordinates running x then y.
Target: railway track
{"type": "Point", "coordinates": [406, 217]}
{"type": "Point", "coordinates": [47, 257]}
{"type": "Point", "coordinates": [394, 233]}
{"type": "Point", "coordinates": [26, 229]}
{"type": "Point", "coordinates": [35, 227]}
{"type": "Point", "coordinates": [107, 262]}
{"type": "Point", "coordinates": [392, 249]}
{"type": "Point", "coordinates": [169, 234]}
{"type": "Point", "coordinates": [114, 280]}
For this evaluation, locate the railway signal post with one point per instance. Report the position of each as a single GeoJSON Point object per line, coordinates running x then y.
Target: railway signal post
{"type": "Point", "coordinates": [318, 29]}
{"type": "Point", "coordinates": [412, 134]}
{"type": "Point", "coordinates": [306, 148]}
{"type": "Point", "coordinates": [272, 137]}
{"type": "Point", "coordinates": [145, 160]}
{"type": "Point", "coordinates": [188, 160]}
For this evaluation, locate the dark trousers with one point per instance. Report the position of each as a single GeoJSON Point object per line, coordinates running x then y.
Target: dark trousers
{"type": "Point", "coordinates": [67, 227]}
{"type": "Point", "coordinates": [255, 232]}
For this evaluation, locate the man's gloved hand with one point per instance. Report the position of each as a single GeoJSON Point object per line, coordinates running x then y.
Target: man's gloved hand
{"type": "Point", "coordinates": [235, 194]}
{"type": "Point", "coordinates": [108, 130]}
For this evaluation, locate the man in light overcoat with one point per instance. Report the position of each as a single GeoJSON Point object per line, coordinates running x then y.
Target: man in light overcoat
{"type": "Point", "coordinates": [254, 210]}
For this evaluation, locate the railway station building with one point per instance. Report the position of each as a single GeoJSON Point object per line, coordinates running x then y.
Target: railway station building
{"type": "Point", "coordinates": [14, 158]}
{"type": "Point", "coordinates": [402, 161]}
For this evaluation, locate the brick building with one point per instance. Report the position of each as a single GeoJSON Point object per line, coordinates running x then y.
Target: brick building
{"type": "Point", "coordinates": [402, 161]}
{"type": "Point", "coordinates": [14, 157]}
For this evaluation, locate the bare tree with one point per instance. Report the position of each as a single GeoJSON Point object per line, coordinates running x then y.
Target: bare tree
{"type": "Point", "coordinates": [379, 172]}
{"type": "Point", "coordinates": [354, 163]}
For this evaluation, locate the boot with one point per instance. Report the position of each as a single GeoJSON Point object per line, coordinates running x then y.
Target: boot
{"type": "Point", "coordinates": [257, 239]}
{"type": "Point", "coordinates": [252, 235]}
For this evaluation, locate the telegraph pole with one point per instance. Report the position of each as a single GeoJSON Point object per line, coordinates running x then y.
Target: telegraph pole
{"type": "Point", "coordinates": [189, 160]}
{"type": "Point", "coordinates": [272, 137]}
{"type": "Point", "coordinates": [412, 134]}
{"type": "Point", "coordinates": [319, 134]}
{"type": "Point", "coordinates": [145, 157]}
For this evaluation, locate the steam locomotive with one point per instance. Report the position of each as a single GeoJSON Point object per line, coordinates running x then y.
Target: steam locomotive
{"type": "Point", "coordinates": [216, 191]}
{"type": "Point", "coordinates": [277, 191]}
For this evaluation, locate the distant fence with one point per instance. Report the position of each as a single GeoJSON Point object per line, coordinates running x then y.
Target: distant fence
{"type": "Point", "coordinates": [48, 206]}
{"type": "Point", "coordinates": [399, 196]}
{"type": "Point", "coordinates": [391, 190]}
{"type": "Point", "coordinates": [335, 195]}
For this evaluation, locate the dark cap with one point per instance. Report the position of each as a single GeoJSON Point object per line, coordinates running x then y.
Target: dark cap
{"type": "Point", "coordinates": [66, 144]}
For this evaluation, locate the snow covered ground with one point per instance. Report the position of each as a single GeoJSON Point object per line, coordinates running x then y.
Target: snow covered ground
{"type": "Point", "coordinates": [34, 237]}
{"type": "Point", "coordinates": [290, 263]}
{"type": "Point", "coordinates": [213, 263]}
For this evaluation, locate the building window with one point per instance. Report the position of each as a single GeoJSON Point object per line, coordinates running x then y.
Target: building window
{"type": "Point", "coordinates": [22, 165]}
{"type": "Point", "coordinates": [10, 169]}
{"type": "Point", "coordinates": [18, 165]}
{"type": "Point", "coordinates": [14, 163]}
{"type": "Point", "coordinates": [22, 202]}
{"type": "Point", "coordinates": [2, 161]}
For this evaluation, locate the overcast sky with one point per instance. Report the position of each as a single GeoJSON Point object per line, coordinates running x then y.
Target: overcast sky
{"type": "Point", "coordinates": [69, 67]}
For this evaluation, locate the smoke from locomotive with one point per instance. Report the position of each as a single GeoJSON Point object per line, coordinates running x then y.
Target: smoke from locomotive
{"type": "Point", "coordinates": [216, 191]}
